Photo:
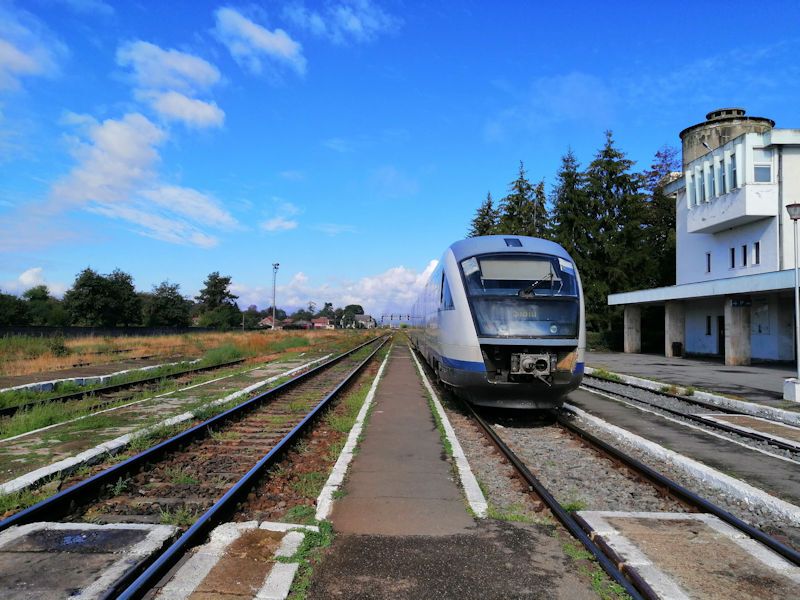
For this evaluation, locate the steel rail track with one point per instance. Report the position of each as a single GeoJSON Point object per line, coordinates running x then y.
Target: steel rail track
{"type": "Point", "coordinates": [761, 437]}
{"type": "Point", "coordinates": [681, 493]}
{"type": "Point", "coordinates": [10, 411]}
{"type": "Point", "coordinates": [132, 586]}
{"type": "Point", "coordinates": [563, 516]}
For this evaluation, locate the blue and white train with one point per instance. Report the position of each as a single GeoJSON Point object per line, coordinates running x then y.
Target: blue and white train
{"type": "Point", "coordinates": [501, 321]}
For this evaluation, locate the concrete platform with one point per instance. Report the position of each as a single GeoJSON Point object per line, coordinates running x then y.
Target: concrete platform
{"type": "Point", "coordinates": [73, 560]}
{"type": "Point", "coordinates": [403, 530]}
{"type": "Point", "coordinates": [781, 478]}
{"type": "Point", "coordinates": [756, 383]}
{"type": "Point", "coordinates": [695, 556]}
{"type": "Point", "coordinates": [400, 482]}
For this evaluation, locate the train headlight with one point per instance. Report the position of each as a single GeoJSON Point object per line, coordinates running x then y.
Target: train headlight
{"type": "Point", "coordinates": [553, 328]}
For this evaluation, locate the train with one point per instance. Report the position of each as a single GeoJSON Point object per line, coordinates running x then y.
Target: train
{"type": "Point", "coordinates": [501, 322]}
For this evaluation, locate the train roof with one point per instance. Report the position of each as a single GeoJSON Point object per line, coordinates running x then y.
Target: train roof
{"type": "Point", "coordinates": [486, 244]}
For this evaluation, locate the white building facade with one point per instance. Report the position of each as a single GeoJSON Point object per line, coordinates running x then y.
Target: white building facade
{"type": "Point", "coordinates": [734, 244]}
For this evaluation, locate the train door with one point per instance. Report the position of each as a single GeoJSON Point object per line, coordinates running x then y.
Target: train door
{"type": "Point", "coordinates": [721, 336]}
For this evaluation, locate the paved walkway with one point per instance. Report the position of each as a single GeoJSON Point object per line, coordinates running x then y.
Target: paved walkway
{"type": "Point", "coordinates": [403, 530]}
{"type": "Point", "coordinates": [755, 383]}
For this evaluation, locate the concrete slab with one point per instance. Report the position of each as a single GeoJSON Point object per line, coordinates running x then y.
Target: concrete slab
{"type": "Point", "coordinates": [75, 560]}
{"type": "Point", "coordinates": [755, 383]}
{"type": "Point", "coordinates": [779, 431]}
{"type": "Point", "coordinates": [400, 481]}
{"type": "Point", "coordinates": [695, 556]}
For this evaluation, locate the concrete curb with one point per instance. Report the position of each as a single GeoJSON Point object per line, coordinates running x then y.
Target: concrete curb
{"type": "Point", "coordinates": [747, 408]}
{"type": "Point", "coordinates": [740, 490]}
{"type": "Point", "coordinates": [96, 454]}
{"type": "Point", "coordinates": [335, 479]}
{"type": "Point", "coordinates": [473, 492]}
{"type": "Point", "coordinates": [46, 386]}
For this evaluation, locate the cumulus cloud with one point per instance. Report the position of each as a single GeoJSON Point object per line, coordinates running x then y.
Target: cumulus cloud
{"type": "Point", "coordinates": [276, 224]}
{"type": "Point", "coordinates": [195, 113]}
{"type": "Point", "coordinates": [169, 80]}
{"type": "Point", "coordinates": [115, 176]}
{"type": "Point", "coordinates": [392, 291]}
{"type": "Point", "coordinates": [251, 44]}
{"type": "Point", "coordinates": [31, 278]}
{"type": "Point", "coordinates": [155, 68]}
{"type": "Point", "coordinates": [27, 48]}
{"type": "Point", "coordinates": [343, 22]}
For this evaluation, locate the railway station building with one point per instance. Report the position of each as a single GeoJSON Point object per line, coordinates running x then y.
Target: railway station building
{"type": "Point", "coordinates": [734, 292]}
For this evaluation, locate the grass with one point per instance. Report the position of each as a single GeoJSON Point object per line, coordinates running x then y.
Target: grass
{"type": "Point", "coordinates": [309, 484]}
{"type": "Point", "coordinates": [607, 375]}
{"type": "Point", "coordinates": [307, 555]}
{"type": "Point", "coordinates": [179, 477]}
{"type": "Point", "coordinates": [180, 517]}
{"type": "Point", "coordinates": [302, 514]}
{"type": "Point", "coordinates": [603, 586]}
{"type": "Point", "coordinates": [574, 505]}
{"type": "Point", "coordinates": [689, 391]}
{"type": "Point", "coordinates": [439, 426]}
{"type": "Point", "coordinates": [18, 500]}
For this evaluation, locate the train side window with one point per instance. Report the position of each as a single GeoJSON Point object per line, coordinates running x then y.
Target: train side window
{"type": "Point", "coordinates": [447, 297]}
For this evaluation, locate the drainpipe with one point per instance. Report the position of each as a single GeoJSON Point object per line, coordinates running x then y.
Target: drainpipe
{"type": "Point", "coordinates": [780, 208]}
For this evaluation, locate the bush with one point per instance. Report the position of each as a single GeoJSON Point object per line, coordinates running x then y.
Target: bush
{"type": "Point", "coordinates": [58, 346]}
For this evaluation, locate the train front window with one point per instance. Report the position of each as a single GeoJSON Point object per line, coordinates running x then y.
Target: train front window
{"type": "Point", "coordinates": [522, 295]}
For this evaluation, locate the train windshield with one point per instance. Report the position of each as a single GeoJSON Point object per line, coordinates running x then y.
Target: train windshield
{"type": "Point", "coordinates": [522, 295]}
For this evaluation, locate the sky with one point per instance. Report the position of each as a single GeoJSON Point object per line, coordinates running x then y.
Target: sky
{"type": "Point", "coordinates": [351, 141]}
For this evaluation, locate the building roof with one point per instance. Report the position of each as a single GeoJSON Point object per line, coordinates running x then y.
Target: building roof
{"type": "Point", "coordinates": [746, 284]}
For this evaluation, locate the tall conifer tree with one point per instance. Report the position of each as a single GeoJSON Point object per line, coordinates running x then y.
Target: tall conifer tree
{"type": "Point", "coordinates": [660, 216]}
{"type": "Point", "coordinates": [485, 220]}
{"type": "Point", "coordinates": [517, 209]}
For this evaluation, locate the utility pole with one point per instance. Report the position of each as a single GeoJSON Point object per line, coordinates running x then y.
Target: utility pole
{"type": "Point", "coordinates": [274, 279]}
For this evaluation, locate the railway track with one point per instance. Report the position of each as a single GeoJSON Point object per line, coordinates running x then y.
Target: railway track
{"type": "Point", "coordinates": [704, 419]}
{"type": "Point", "coordinates": [203, 473]}
{"type": "Point", "coordinates": [111, 390]}
{"type": "Point", "coordinates": [581, 529]}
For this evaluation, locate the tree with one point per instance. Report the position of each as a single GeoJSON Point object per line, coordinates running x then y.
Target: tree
{"type": "Point", "coordinates": [574, 225]}
{"type": "Point", "coordinates": [618, 262]}
{"type": "Point", "coordinates": [13, 311]}
{"type": "Point", "coordinates": [523, 211]}
{"type": "Point", "coordinates": [166, 307]}
{"type": "Point", "coordinates": [660, 217]}
{"type": "Point", "coordinates": [103, 300]}
{"type": "Point", "coordinates": [486, 218]}
{"type": "Point", "coordinates": [327, 311]}
{"type": "Point", "coordinates": [40, 305]}
{"type": "Point", "coordinates": [349, 313]}
{"type": "Point", "coordinates": [251, 317]}
{"type": "Point", "coordinates": [541, 218]}
{"type": "Point", "coordinates": [217, 308]}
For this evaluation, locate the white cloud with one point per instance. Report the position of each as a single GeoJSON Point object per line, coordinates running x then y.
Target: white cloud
{"type": "Point", "coordinates": [340, 145]}
{"type": "Point", "coordinates": [392, 291]}
{"type": "Point", "coordinates": [345, 21]}
{"type": "Point", "coordinates": [293, 175]}
{"type": "Point", "coordinates": [157, 69]}
{"type": "Point", "coordinates": [278, 224]}
{"type": "Point", "coordinates": [115, 176]}
{"type": "Point", "coordinates": [175, 106]}
{"type": "Point", "coordinates": [390, 182]}
{"type": "Point", "coordinates": [89, 6]}
{"type": "Point", "coordinates": [31, 278]}
{"type": "Point", "coordinates": [27, 48]}
{"type": "Point", "coordinates": [250, 44]}
{"type": "Point", "coordinates": [332, 229]}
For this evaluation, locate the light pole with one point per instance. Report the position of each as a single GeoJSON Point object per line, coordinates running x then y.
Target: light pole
{"type": "Point", "coordinates": [274, 279]}
{"type": "Point", "coordinates": [792, 392]}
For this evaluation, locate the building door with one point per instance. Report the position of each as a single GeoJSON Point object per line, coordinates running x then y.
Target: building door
{"type": "Point", "coordinates": [721, 336]}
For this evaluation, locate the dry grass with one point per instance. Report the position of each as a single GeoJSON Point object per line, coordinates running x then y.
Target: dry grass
{"type": "Point", "coordinates": [27, 355]}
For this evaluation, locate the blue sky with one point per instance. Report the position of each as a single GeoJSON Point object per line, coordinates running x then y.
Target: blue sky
{"type": "Point", "coordinates": [350, 140]}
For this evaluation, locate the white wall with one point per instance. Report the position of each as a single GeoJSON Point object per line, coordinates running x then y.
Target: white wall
{"type": "Point", "coordinates": [697, 342]}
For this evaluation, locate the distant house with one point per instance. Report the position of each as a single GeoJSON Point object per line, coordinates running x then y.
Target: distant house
{"type": "Point", "coordinates": [322, 323]}
{"type": "Point", "coordinates": [365, 322]}
{"type": "Point", "coordinates": [266, 323]}
{"type": "Point", "coordinates": [298, 324]}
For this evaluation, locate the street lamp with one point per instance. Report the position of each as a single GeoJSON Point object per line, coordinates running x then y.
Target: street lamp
{"type": "Point", "coordinates": [274, 279]}
{"type": "Point", "coordinates": [790, 387]}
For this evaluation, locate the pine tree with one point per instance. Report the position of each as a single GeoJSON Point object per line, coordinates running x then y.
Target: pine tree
{"type": "Point", "coordinates": [620, 260]}
{"type": "Point", "coordinates": [660, 217]}
{"type": "Point", "coordinates": [574, 224]}
{"type": "Point", "coordinates": [485, 220]}
{"type": "Point", "coordinates": [517, 209]}
{"type": "Point", "coordinates": [542, 220]}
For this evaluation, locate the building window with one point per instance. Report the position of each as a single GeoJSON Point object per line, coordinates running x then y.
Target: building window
{"type": "Point", "coordinates": [757, 253]}
{"type": "Point", "coordinates": [702, 180]}
{"type": "Point", "coordinates": [708, 262]}
{"type": "Point", "coordinates": [733, 171]}
{"type": "Point", "coordinates": [762, 173]}
{"type": "Point", "coordinates": [722, 177]}
{"type": "Point", "coordinates": [711, 190]}
{"type": "Point", "coordinates": [708, 324]}
{"type": "Point", "coordinates": [733, 258]}
{"type": "Point", "coordinates": [744, 255]}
